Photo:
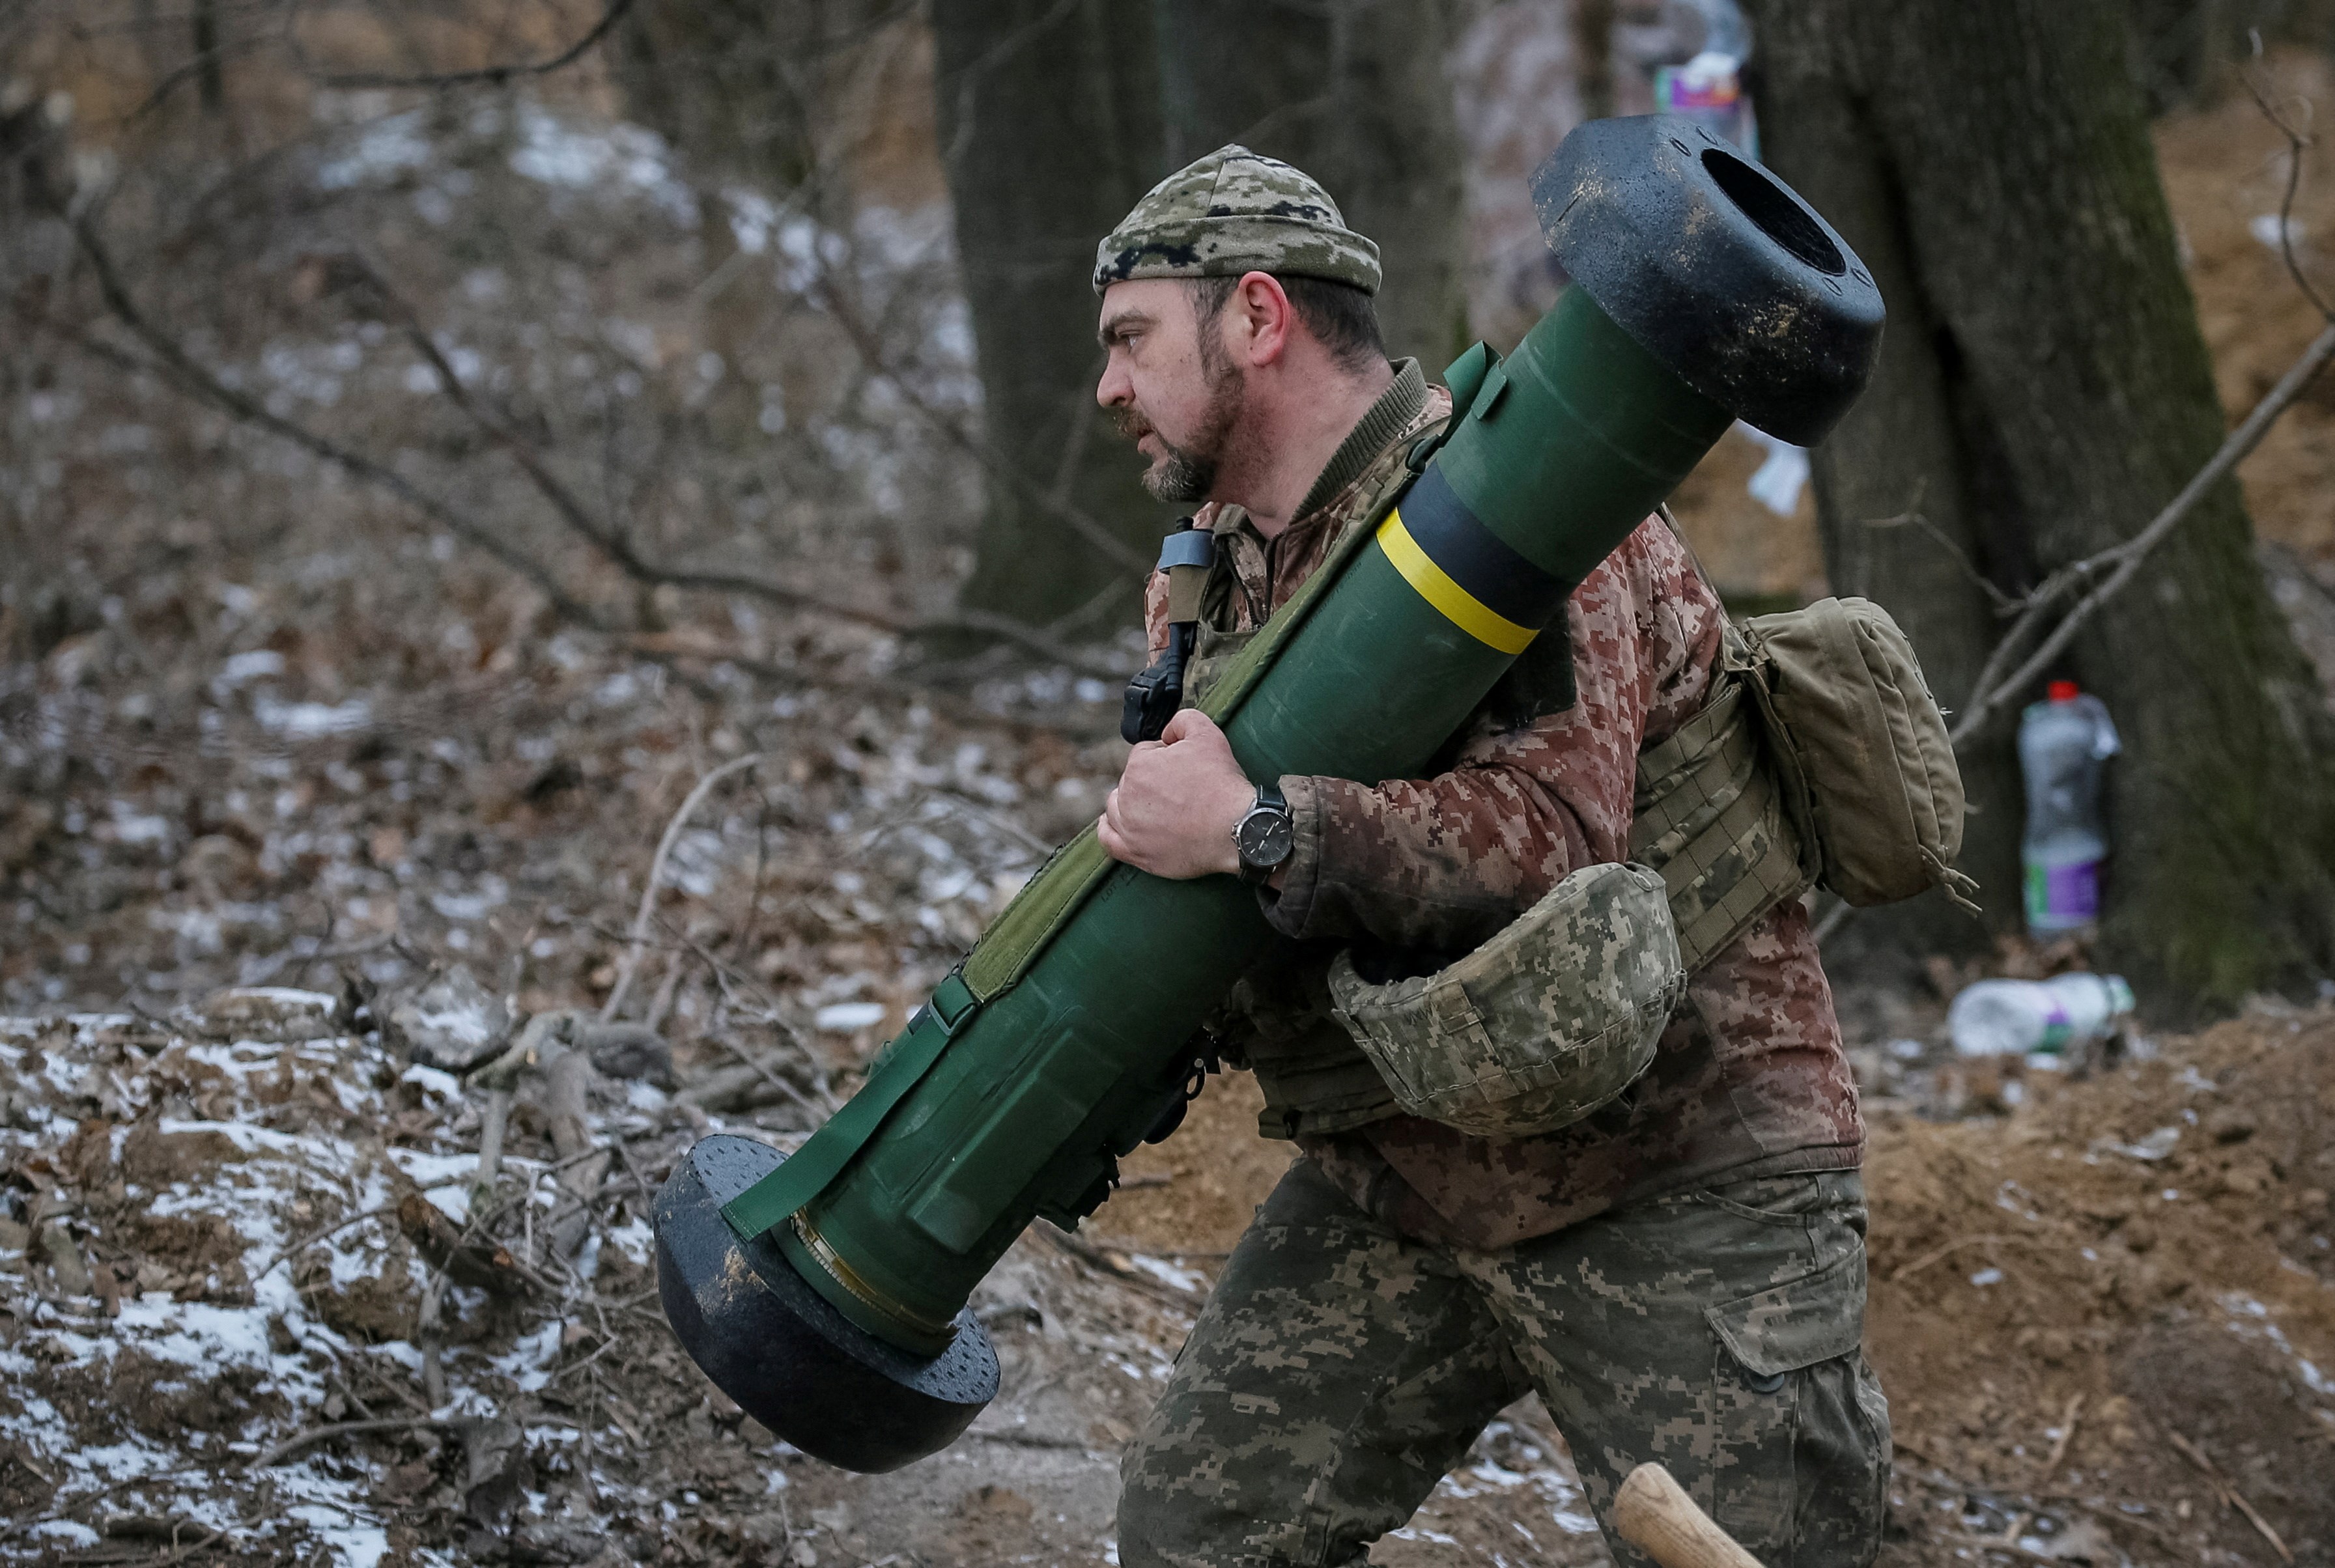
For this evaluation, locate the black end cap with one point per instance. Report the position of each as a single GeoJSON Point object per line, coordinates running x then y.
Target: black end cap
{"type": "Point", "coordinates": [773, 1344]}
{"type": "Point", "coordinates": [1714, 266]}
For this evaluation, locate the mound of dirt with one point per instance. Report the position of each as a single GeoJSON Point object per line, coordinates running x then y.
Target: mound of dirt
{"type": "Point", "coordinates": [2098, 1318]}
{"type": "Point", "coordinates": [2109, 1312]}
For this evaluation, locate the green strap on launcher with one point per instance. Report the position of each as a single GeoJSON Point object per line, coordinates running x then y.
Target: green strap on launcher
{"type": "Point", "coordinates": [1015, 939]}
{"type": "Point", "coordinates": [823, 1156]}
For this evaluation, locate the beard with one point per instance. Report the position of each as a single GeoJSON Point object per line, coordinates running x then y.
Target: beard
{"type": "Point", "coordinates": [1188, 472]}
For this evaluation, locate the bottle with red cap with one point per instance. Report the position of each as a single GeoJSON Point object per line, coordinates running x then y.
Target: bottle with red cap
{"type": "Point", "coordinates": [2063, 742]}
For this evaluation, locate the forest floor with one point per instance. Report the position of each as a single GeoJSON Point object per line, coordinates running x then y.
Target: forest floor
{"type": "Point", "coordinates": [2101, 1318]}
{"type": "Point", "coordinates": [258, 735]}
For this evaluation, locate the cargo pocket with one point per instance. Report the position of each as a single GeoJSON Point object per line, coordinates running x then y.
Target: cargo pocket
{"type": "Point", "coordinates": [1777, 1355]}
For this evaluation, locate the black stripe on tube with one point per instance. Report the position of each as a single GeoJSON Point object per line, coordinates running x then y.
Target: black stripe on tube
{"type": "Point", "coordinates": [1475, 558]}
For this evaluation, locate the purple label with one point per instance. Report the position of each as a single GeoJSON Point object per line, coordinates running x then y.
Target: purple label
{"type": "Point", "coordinates": [2059, 896]}
{"type": "Point", "coordinates": [2073, 892]}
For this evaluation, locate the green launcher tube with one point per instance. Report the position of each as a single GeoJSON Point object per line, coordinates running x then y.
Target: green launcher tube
{"type": "Point", "coordinates": [1065, 1036]}
{"type": "Point", "coordinates": [1570, 444]}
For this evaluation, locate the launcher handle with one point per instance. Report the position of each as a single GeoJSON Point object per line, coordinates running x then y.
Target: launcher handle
{"type": "Point", "coordinates": [1653, 1514]}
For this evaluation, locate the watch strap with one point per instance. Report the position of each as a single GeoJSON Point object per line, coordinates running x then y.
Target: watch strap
{"type": "Point", "coordinates": [1269, 797]}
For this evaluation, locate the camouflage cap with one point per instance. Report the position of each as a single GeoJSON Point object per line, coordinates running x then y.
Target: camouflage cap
{"type": "Point", "coordinates": [1237, 211]}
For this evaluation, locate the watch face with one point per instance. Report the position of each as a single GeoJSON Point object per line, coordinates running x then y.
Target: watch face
{"type": "Point", "coordinates": [1265, 836]}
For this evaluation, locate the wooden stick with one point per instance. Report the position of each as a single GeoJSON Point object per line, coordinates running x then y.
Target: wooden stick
{"type": "Point", "coordinates": [1653, 1514]}
{"type": "Point", "coordinates": [2066, 1435]}
{"type": "Point", "coordinates": [2230, 1494]}
{"type": "Point", "coordinates": [657, 871]}
{"type": "Point", "coordinates": [299, 1440]}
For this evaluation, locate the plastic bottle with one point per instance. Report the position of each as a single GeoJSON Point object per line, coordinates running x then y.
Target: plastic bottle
{"type": "Point", "coordinates": [2062, 742]}
{"type": "Point", "coordinates": [1999, 1017]}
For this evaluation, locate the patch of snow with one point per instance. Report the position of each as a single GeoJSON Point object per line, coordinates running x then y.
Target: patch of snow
{"type": "Point", "coordinates": [843, 1016]}
{"type": "Point", "coordinates": [313, 720]}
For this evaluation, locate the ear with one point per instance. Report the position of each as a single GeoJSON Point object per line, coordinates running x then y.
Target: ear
{"type": "Point", "coordinates": [1266, 319]}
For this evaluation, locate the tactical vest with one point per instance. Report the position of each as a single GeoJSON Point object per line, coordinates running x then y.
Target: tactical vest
{"type": "Point", "coordinates": [1707, 814]}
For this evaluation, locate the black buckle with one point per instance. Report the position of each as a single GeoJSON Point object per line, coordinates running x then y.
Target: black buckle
{"type": "Point", "coordinates": [1155, 694]}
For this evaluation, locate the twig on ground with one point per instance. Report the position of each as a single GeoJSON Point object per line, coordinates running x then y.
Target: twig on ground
{"type": "Point", "coordinates": [2068, 1420]}
{"type": "Point", "coordinates": [293, 1249]}
{"type": "Point", "coordinates": [567, 1080]}
{"type": "Point", "coordinates": [299, 1440]}
{"type": "Point", "coordinates": [1009, 1438]}
{"type": "Point", "coordinates": [2231, 1496]}
{"type": "Point", "coordinates": [426, 1334]}
{"type": "Point", "coordinates": [673, 830]}
{"type": "Point", "coordinates": [763, 1071]}
{"type": "Point", "coordinates": [1936, 1253]}
{"type": "Point", "coordinates": [1102, 1262]}
{"type": "Point", "coordinates": [181, 1553]}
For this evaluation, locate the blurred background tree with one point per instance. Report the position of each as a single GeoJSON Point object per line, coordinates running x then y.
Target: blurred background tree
{"type": "Point", "coordinates": [1355, 93]}
{"type": "Point", "coordinates": [1055, 116]}
{"type": "Point", "coordinates": [1048, 118]}
{"type": "Point", "coordinates": [2043, 391]}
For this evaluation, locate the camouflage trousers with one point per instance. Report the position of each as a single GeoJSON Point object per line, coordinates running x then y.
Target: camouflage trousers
{"type": "Point", "coordinates": [1341, 1369]}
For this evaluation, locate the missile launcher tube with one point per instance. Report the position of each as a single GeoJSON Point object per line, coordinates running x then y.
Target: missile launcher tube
{"type": "Point", "coordinates": [1065, 1038]}
{"type": "Point", "coordinates": [1044, 1085]}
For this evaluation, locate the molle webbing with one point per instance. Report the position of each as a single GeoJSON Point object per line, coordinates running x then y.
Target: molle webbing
{"type": "Point", "coordinates": [1710, 818]}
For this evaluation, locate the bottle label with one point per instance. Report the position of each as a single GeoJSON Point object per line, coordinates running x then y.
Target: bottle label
{"type": "Point", "coordinates": [2058, 1029]}
{"type": "Point", "coordinates": [2061, 896]}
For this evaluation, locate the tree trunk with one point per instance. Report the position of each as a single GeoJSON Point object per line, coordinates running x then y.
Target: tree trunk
{"type": "Point", "coordinates": [2045, 381]}
{"type": "Point", "coordinates": [1048, 132]}
{"type": "Point", "coordinates": [1593, 46]}
{"type": "Point", "coordinates": [1353, 93]}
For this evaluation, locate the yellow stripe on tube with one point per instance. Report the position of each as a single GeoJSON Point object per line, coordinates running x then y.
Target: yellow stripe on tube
{"type": "Point", "coordinates": [1459, 606]}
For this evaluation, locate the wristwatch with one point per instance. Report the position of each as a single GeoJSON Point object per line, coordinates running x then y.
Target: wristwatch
{"type": "Point", "coordinates": [1264, 835]}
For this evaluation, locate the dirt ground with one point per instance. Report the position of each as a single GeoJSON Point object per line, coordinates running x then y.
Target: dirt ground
{"type": "Point", "coordinates": [2101, 1318]}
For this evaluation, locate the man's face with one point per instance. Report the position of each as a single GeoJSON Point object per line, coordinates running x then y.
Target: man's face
{"type": "Point", "coordinates": [1169, 383]}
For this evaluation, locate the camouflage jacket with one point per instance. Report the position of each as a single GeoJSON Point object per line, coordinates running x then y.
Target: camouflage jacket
{"type": "Point", "coordinates": [1749, 1078]}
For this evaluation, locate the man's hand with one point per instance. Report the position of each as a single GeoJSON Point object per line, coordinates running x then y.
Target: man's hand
{"type": "Point", "coordinates": [1173, 812]}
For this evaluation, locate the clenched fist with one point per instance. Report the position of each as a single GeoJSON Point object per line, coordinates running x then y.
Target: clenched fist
{"type": "Point", "coordinates": [1173, 812]}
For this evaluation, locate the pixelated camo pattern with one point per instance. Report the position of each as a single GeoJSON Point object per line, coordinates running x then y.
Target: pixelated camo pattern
{"type": "Point", "coordinates": [1237, 211]}
{"type": "Point", "coordinates": [1341, 1369]}
{"type": "Point", "coordinates": [1540, 1026]}
{"type": "Point", "coordinates": [1749, 1077]}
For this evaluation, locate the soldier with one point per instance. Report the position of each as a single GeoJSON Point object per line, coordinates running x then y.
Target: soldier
{"type": "Point", "coordinates": [1680, 1276]}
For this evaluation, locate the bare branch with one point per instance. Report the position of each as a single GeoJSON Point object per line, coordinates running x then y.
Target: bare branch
{"type": "Point", "coordinates": [2127, 558]}
{"type": "Point", "coordinates": [1081, 521]}
{"type": "Point", "coordinates": [1912, 516]}
{"type": "Point", "coordinates": [656, 872]}
{"type": "Point", "coordinates": [192, 376]}
{"type": "Point", "coordinates": [299, 1440]}
{"type": "Point", "coordinates": [612, 542]}
{"type": "Point", "coordinates": [489, 75]}
{"type": "Point", "coordinates": [2297, 141]}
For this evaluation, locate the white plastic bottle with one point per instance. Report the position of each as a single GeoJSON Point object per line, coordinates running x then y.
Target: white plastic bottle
{"type": "Point", "coordinates": [2016, 1017]}
{"type": "Point", "coordinates": [2062, 741]}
